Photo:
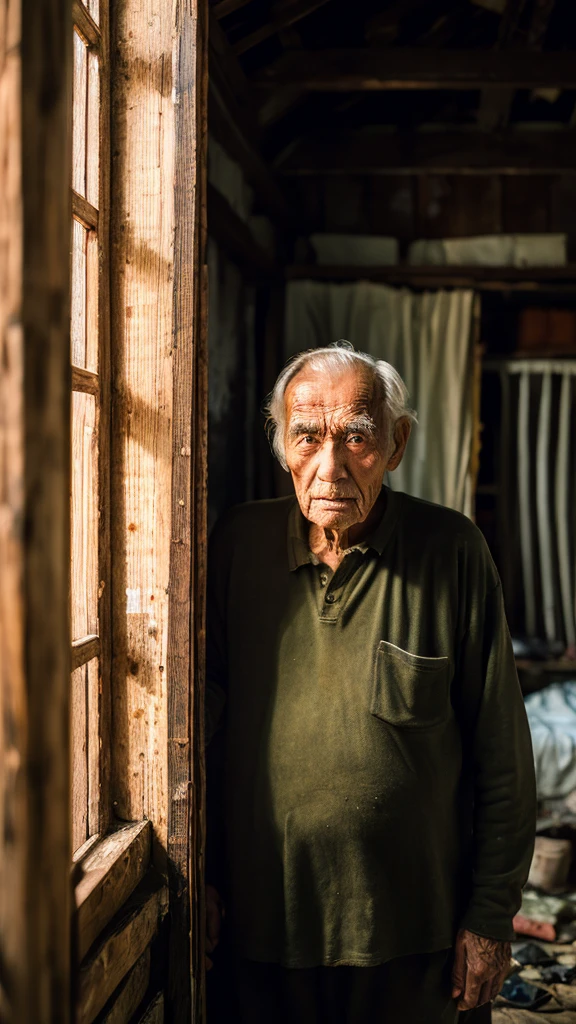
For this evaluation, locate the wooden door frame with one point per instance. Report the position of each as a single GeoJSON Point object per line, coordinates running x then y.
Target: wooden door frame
{"type": "Point", "coordinates": [35, 217]}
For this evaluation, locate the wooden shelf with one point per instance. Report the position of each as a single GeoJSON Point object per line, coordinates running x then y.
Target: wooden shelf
{"type": "Point", "coordinates": [483, 278]}
{"type": "Point", "coordinates": [538, 667]}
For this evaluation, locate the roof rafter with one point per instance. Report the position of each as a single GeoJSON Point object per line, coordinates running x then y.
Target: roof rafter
{"type": "Point", "coordinates": [373, 70]}
{"type": "Point", "coordinates": [435, 152]}
{"type": "Point", "coordinates": [225, 7]}
{"type": "Point", "coordinates": [282, 15]}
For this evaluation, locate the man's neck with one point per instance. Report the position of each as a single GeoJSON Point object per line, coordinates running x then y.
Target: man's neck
{"type": "Point", "coordinates": [330, 546]}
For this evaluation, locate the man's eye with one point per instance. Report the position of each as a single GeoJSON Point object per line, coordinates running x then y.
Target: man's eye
{"type": "Point", "coordinates": [356, 439]}
{"type": "Point", "coordinates": [309, 439]}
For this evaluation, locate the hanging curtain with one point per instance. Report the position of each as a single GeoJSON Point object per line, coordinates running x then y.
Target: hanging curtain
{"type": "Point", "coordinates": [538, 496]}
{"type": "Point", "coordinates": [427, 338]}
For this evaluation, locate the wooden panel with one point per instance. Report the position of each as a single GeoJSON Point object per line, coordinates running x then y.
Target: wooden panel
{"type": "Point", "coordinates": [85, 752]}
{"type": "Point", "coordinates": [79, 744]}
{"type": "Point", "coordinates": [84, 581]}
{"type": "Point", "coordinates": [79, 115]}
{"type": "Point", "coordinates": [457, 206]}
{"type": "Point", "coordinates": [142, 303]}
{"type": "Point", "coordinates": [186, 833]}
{"type": "Point", "coordinates": [78, 304]}
{"type": "Point", "coordinates": [98, 324]}
{"type": "Point", "coordinates": [94, 9]}
{"type": "Point", "coordinates": [35, 160]}
{"type": "Point", "coordinates": [401, 68]}
{"type": "Point", "coordinates": [109, 873]}
{"type": "Point", "coordinates": [158, 219]}
{"type": "Point", "coordinates": [525, 204]}
{"type": "Point", "coordinates": [92, 129]}
{"type": "Point", "coordinates": [129, 994]}
{"type": "Point", "coordinates": [121, 945]}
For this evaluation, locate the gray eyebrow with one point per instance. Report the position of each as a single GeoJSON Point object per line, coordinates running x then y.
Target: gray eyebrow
{"type": "Point", "coordinates": [303, 427]}
{"type": "Point", "coordinates": [363, 424]}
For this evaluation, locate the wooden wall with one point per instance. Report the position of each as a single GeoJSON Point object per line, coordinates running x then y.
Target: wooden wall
{"type": "Point", "coordinates": [439, 206]}
{"type": "Point", "coordinates": [158, 227]}
{"type": "Point", "coordinates": [35, 213]}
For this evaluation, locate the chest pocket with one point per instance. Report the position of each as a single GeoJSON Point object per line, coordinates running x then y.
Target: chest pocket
{"type": "Point", "coordinates": [409, 690]}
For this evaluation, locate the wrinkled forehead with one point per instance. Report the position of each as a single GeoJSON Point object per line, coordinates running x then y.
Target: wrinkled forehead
{"type": "Point", "coordinates": [326, 395]}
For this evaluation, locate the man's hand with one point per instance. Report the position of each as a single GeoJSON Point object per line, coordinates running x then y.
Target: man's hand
{"type": "Point", "coordinates": [480, 968]}
{"type": "Point", "coordinates": [214, 915]}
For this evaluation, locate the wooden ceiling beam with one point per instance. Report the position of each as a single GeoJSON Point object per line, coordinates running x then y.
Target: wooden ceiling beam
{"type": "Point", "coordinates": [228, 133]}
{"type": "Point", "coordinates": [225, 7]}
{"type": "Point", "coordinates": [374, 70]}
{"type": "Point", "coordinates": [281, 16]}
{"type": "Point", "coordinates": [527, 152]}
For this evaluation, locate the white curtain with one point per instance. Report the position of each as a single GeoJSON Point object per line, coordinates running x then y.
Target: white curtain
{"type": "Point", "coordinates": [427, 338]}
{"type": "Point", "coordinates": [538, 494]}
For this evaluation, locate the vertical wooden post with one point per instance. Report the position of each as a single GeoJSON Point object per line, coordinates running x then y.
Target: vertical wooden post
{"type": "Point", "coordinates": [35, 224]}
{"type": "Point", "coordinates": [158, 227]}
{"type": "Point", "coordinates": [186, 629]}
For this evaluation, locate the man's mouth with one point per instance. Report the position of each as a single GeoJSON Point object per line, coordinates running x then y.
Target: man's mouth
{"type": "Point", "coordinates": [334, 501]}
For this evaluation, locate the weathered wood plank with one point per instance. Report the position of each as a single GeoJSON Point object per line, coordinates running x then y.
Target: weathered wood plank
{"type": "Point", "coordinates": [121, 945]}
{"type": "Point", "coordinates": [372, 69]}
{"type": "Point", "coordinates": [85, 381]}
{"type": "Point", "coordinates": [85, 22]}
{"type": "Point", "coordinates": [129, 994]}
{"type": "Point", "coordinates": [185, 982]}
{"type": "Point", "coordinates": [84, 650]}
{"type": "Point", "coordinates": [101, 272]}
{"type": "Point", "coordinates": [142, 309]}
{"type": "Point", "coordinates": [106, 876]}
{"type": "Point", "coordinates": [84, 211]}
{"type": "Point", "coordinates": [518, 152]}
{"type": "Point", "coordinates": [35, 161]}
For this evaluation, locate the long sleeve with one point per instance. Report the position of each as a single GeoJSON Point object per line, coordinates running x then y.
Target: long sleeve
{"type": "Point", "coordinates": [498, 743]}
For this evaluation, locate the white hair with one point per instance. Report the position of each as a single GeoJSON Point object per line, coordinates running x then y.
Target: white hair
{"type": "Point", "coordinates": [335, 358]}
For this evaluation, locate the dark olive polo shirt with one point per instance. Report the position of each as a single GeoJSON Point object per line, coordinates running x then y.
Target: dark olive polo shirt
{"type": "Point", "coordinates": [380, 782]}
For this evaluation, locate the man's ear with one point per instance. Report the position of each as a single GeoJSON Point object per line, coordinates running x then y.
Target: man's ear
{"type": "Point", "coordinates": [402, 431]}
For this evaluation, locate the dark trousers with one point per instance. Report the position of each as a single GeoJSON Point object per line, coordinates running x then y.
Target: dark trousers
{"type": "Point", "coordinates": [408, 990]}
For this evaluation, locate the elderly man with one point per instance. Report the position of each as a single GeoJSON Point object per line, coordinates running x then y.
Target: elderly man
{"type": "Point", "coordinates": [380, 797]}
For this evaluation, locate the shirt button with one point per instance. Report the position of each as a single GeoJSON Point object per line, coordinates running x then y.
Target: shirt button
{"type": "Point", "coordinates": [330, 598]}
{"type": "Point", "coordinates": [323, 578]}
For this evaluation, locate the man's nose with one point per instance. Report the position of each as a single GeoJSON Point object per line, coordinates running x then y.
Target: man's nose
{"type": "Point", "coordinates": [331, 466]}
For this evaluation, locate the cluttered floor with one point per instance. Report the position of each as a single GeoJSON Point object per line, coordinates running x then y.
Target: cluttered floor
{"type": "Point", "coordinates": [543, 987]}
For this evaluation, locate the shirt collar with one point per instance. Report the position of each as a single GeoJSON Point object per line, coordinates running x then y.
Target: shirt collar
{"type": "Point", "coordinates": [299, 553]}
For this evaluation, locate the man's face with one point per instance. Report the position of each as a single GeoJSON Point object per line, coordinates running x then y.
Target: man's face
{"type": "Point", "coordinates": [337, 445]}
